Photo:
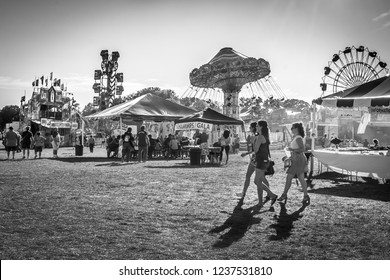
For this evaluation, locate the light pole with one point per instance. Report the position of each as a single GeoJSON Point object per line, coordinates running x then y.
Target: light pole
{"type": "Point", "coordinates": [106, 80]}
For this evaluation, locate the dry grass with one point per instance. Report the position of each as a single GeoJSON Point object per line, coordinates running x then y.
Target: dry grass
{"type": "Point", "coordinates": [91, 207]}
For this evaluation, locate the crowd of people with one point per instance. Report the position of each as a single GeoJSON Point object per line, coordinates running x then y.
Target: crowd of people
{"type": "Point", "coordinates": [335, 142]}
{"type": "Point", "coordinates": [14, 142]}
{"type": "Point", "coordinates": [142, 147]}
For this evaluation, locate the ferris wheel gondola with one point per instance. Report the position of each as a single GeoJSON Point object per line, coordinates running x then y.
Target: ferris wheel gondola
{"type": "Point", "coordinates": [352, 67]}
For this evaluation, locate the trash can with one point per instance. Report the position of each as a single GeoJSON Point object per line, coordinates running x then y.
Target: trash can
{"type": "Point", "coordinates": [195, 156]}
{"type": "Point", "coordinates": [79, 150]}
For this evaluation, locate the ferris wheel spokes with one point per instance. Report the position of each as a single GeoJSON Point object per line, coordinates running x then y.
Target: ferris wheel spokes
{"type": "Point", "coordinates": [352, 67]}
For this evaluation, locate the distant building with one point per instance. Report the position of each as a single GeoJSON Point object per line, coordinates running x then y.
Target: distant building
{"type": "Point", "coordinates": [49, 107]}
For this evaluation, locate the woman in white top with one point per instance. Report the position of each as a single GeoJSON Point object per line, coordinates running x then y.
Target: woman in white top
{"type": "Point", "coordinates": [225, 145]}
{"type": "Point", "coordinates": [298, 163]}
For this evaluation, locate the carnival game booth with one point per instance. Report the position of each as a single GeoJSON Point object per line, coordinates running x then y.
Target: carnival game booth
{"type": "Point", "coordinates": [364, 114]}
{"type": "Point", "coordinates": [156, 113]}
{"type": "Point", "coordinates": [214, 123]}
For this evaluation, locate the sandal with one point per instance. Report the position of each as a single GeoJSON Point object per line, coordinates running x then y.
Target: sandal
{"type": "Point", "coordinates": [273, 200]}
{"type": "Point", "coordinates": [283, 197]}
{"type": "Point", "coordinates": [306, 200]}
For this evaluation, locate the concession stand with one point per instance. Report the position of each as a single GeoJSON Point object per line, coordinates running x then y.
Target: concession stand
{"type": "Point", "coordinates": [214, 123]}
{"type": "Point", "coordinates": [363, 113]}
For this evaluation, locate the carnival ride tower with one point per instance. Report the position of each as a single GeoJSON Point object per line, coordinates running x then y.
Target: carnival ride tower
{"type": "Point", "coordinates": [228, 71]}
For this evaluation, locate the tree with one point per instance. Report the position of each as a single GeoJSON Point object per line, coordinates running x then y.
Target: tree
{"type": "Point", "coordinates": [296, 104]}
{"type": "Point", "coordinates": [163, 93]}
{"type": "Point", "coordinates": [89, 109]}
{"type": "Point", "coordinates": [199, 105]}
{"type": "Point", "coordinates": [9, 114]}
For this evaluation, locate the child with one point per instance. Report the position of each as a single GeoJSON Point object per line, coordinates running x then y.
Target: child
{"type": "Point", "coordinates": [174, 146]}
{"type": "Point", "coordinates": [39, 142]}
{"type": "Point", "coordinates": [157, 148]}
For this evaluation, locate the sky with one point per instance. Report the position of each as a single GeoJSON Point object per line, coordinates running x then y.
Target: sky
{"type": "Point", "coordinates": [161, 41]}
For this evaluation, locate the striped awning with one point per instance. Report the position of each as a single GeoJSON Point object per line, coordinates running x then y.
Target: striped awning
{"type": "Point", "coordinates": [375, 93]}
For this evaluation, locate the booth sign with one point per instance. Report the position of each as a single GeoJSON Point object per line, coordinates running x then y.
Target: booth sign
{"type": "Point", "coordinates": [193, 125]}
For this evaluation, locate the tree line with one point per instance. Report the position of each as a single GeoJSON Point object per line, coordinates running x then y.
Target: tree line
{"type": "Point", "coordinates": [256, 107]}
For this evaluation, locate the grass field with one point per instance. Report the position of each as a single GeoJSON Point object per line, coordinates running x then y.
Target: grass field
{"type": "Point", "coordinates": [91, 207]}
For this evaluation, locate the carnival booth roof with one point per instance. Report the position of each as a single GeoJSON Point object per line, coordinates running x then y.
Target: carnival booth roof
{"type": "Point", "coordinates": [375, 93]}
{"type": "Point", "coordinates": [209, 116]}
{"type": "Point", "coordinates": [145, 107]}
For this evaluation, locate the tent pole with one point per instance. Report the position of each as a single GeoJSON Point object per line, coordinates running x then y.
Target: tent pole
{"type": "Point", "coordinates": [120, 125]}
{"type": "Point", "coordinates": [243, 128]}
{"type": "Point", "coordinates": [313, 136]}
{"type": "Point", "coordinates": [82, 132]}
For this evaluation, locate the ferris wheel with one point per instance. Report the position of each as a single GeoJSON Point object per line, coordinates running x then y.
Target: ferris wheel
{"type": "Point", "coordinates": [352, 67]}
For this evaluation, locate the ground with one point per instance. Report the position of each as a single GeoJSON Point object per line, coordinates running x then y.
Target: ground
{"type": "Point", "coordinates": [91, 207]}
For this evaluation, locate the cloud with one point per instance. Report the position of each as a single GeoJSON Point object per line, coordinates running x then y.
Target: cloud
{"type": "Point", "coordinates": [381, 16]}
{"type": "Point", "coordinates": [11, 83]}
{"type": "Point", "coordinates": [387, 24]}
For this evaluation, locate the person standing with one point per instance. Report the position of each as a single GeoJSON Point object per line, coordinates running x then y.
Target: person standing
{"type": "Point", "coordinates": [39, 142]}
{"type": "Point", "coordinates": [91, 143]}
{"type": "Point", "coordinates": [196, 137]}
{"type": "Point", "coordinates": [174, 147]}
{"type": "Point", "coordinates": [11, 142]}
{"type": "Point", "coordinates": [225, 145]}
{"type": "Point", "coordinates": [27, 138]}
{"type": "Point", "coordinates": [298, 163]}
{"type": "Point", "coordinates": [128, 145]}
{"type": "Point", "coordinates": [262, 163]}
{"type": "Point", "coordinates": [203, 142]}
{"type": "Point", "coordinates": [56, 141]}
{"type": "Point", "coordinates": [236, 144]}
{"type": "Point", "coordinates": [143, 144]}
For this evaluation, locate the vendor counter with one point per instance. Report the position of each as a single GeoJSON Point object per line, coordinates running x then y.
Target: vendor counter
{"type": "Point", "coordinates": [211, 154]}
{"type": "Point", "coordinates": [356, 161]}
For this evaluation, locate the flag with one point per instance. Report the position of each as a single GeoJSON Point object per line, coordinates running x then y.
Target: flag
{"type": "Point", "coordinates": [42, 80]}
{"type": "Point", "coordinates": [58, 82]}
{"type": "Point", "coordinates": [37, 82]}
{"type": "Point", "coordinates": [46, 81]}
{"type": "Point", "coordinates": [51, 76]}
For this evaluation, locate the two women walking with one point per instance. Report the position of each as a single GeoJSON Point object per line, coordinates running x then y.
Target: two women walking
{"type": "Point", "coordinates": [258, 148]}
{"type": "Point", "coordinates": [260, 161]}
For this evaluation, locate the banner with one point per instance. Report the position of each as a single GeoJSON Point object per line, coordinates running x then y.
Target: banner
{"type": "Point", "coordinates": [379, 110]}
{"type": "Point", "coordinates": [60, 124]}
{"type": "Point", "coordinates": [193, 126]}
{"type": "Point", "coordinates": [349, 114]}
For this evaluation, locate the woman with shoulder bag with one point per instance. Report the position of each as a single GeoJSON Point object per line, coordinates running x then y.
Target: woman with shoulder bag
{"type": "Point", "coordinates": [262, 163]}
{"type": "Point", "coordinates": [298, 163]}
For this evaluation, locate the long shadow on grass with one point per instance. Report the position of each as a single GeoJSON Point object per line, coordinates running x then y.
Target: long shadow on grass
{"type": "Point", "coordinates": [185, 165]}
{"type": "Point", "coordinates": [85, 159]}
{"type": "Point", "coordinates": [357, 190]}
{"type": "Point", "coordinates": [285, 222]}
{"type": "Point", "coordinates": [239, 222]}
